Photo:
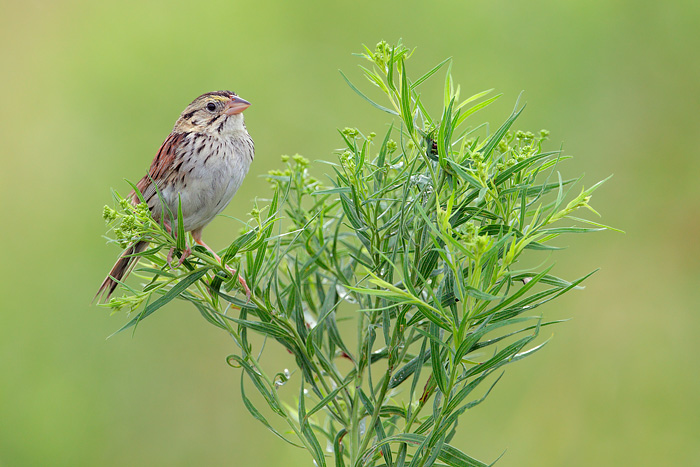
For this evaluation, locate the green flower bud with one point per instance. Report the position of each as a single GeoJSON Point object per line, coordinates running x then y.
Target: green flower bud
{"type": "Point", "coordinates": [350, 132]}
{"type": "Point", "coordinates": [443, 218]}
{"type": "Point", "coordinates": [482, 243]}
{"type": "Point", "coordinates": [109, 214]}
{"type": "Point", "coordinates": [301, 160]}
{"type": "Point", "coordinates": [347, 159]}
{"type": "Point", "coordinates": [142, 209]}
{"type": "Point", "coordinates": [469, 229]}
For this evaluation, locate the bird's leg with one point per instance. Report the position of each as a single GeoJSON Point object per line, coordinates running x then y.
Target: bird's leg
{"type": "Point", "coordinates": [185, 253]}
{"type": "Point", "coordinates": [169, 259]}
{"type": "Point", "coordinates": [197, 235]}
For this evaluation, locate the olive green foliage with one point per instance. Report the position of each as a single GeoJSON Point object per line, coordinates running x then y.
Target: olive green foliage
{"type": "Point", "coordinates": [397, 284]}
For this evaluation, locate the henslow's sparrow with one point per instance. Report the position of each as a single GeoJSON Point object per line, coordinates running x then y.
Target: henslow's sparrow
{"type": "Point", "coordinates": [202, 164]}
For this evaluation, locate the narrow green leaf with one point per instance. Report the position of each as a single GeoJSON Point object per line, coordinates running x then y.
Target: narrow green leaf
{"type": "Point", "coordinates": [177, 289]}
{"type": "Point", "coordinates": [507, 353]}
{"type": "Point", "coordinates": [266, 329]}
{"type": "Point", "coordinates": [473, 98]}
{"type": "Point", "coordinates": [496, 138]}
{"type": "Point", "coordinates": [408, 369]}
{"type": "Point", "coordinates": [463, 174]}
{"type": "Point", "coordinates": [506, 174]}
{"type": "Point", "coordinates": [352, 86]}
{"type": "Point", "coordinates": [328, 399]}
{"type": "Point", "coordinates": [157, 272]}
{"type": "Point", "coordinates": [438, 364]}
{"type": "Point", "coordinates": [331, 191]}
{"type": "Point", "coordinates": [239, 243]}
{"type": "Point", "coordinates": [338, 447]}
{"type": "Point", "coordinates": [406, 112]}
{"type": "Point", "coordinates": [448, 454]}
{"type": "Point", "coordinates": [602, 226]}
{"type": "Point", "coordinates": [260, 417]}
{"type": "Point", "coordinates": [390, 71]}
{"type": "Point", "coordinates": [351, 212]}
{"type": "Point", "coordinates": [520, 292]}
{"type": "Point", "coordinates": [315, 447]}
{"type": "Point", "coordinates": [430, 73]}
{"type": "Point", "coordinates": [475, 108]}
{"type": "Point", "coordinates": [181, 240]}
{"type": "Point", "coordinates": [257, 380]}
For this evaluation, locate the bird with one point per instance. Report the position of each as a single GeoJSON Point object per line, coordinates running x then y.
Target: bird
{"type": "Point", "coordinates": [200, 166]}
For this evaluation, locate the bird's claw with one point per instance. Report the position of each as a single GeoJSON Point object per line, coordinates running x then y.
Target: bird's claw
{"type": "Point", "coordinates": [245, 288]}
{"type": "Point", "coordinates": [185, 253]}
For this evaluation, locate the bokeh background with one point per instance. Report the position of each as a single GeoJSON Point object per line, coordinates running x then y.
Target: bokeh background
{"type": "Point", "coordinates": [90, 89]}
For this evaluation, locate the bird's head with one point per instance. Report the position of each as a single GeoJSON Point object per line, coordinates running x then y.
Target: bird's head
{"type": "Point", "coordinates": [217, 112]}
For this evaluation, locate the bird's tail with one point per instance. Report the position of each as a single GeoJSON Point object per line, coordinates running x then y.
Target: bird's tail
{"type": "Point", "coordinates": [121, 269]}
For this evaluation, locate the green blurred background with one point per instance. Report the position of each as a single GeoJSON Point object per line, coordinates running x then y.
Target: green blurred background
{"type": "Point", "coordinates": [90, 89]}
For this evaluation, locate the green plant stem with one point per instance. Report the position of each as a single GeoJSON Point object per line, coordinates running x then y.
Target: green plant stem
{"type": "Point", "coordinates": [443, 408]}
{"type": "Point", "coordinates": [369, 433]}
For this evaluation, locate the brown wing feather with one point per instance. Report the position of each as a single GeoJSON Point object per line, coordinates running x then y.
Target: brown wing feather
{"type": "Point", "coordinates": [121, 269]}
{"type": "Point", "coordinates": [163, 161]}
{"type": "Point", "coordinates": [160, 168]}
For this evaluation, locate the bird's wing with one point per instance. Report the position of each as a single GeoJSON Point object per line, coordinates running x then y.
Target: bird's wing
{"type": "Point", "coordinates": [161, 166]}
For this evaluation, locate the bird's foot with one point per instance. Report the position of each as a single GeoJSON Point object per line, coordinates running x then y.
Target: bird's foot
{"type": "Point", "coordinates": [198, 240]}
{"type": "Point", "coordinates": [185, 253]}
{"type": "Point", "coordinates": [245, 286]}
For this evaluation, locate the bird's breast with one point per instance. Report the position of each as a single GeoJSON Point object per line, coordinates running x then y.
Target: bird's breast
{"type": "Point", "coordinates": [214, 169]}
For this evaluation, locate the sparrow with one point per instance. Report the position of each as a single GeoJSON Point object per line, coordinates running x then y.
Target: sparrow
{"type": "Point", "coordinates": [200, 165]}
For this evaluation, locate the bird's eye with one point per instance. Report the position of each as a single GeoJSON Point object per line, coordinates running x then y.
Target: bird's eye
{"type": "Point", "coordinates": [211, 107]}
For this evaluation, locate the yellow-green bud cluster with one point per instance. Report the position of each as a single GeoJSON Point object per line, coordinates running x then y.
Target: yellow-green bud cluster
{"type": "Point", "coordinates": [482, 244]}
{"type": "Point", "coordinates": [525, 136]}
{"type": "Point", "coordinates": [347, 160]}
{"type": "Point", "coordinates": [109, 214]}
{"type": "Point", "coordinates": [351, 132]}
{"type": "Point", "coordinates": [300, 160]}
{"type": "Point", "coordinates": [382, 54]}
{"type": "Point", "coordinates": [132, 302]}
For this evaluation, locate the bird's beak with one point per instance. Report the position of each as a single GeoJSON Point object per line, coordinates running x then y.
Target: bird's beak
{"type": "Point", "coordinates": [236, 105]}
